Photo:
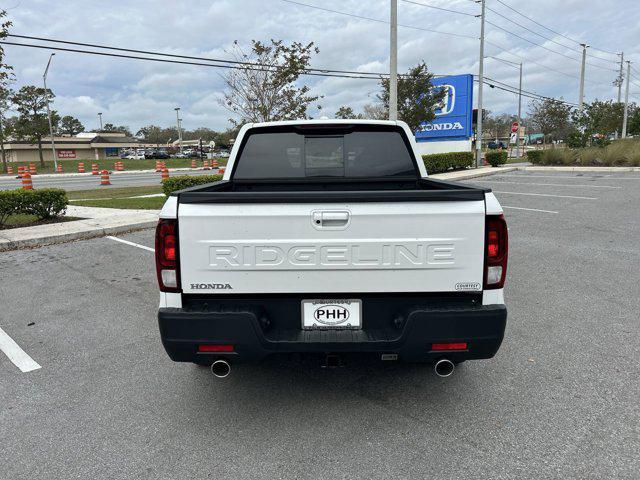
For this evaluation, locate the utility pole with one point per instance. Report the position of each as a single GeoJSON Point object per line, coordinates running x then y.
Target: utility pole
{"type": "Point", "coordinates": [100, 118]}
{"type": "Point", "coordinates": [626, 101]}
{"type": "Point", "coordinates": [519, 114]}
{"type": "Point", "coordinates": [480, 82]}
{"type": "Point", "coordinates": [393, 63]}
{"type": "Point", "coordinates": [177, 109]}
{"type": "Point", "coordinates": [584, 62]}
{"type": "Point", "coordinates": [620, 78]}
{"type": "Point", "coordinates": [46, 95]}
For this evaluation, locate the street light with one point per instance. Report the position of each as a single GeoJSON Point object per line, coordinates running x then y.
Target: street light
{"type": "Point", "coordinates": [177, 109]}
{"type": "Point", "coordinates": [100, 117]}
{"type": "Point", "coordinates": [46, 96]}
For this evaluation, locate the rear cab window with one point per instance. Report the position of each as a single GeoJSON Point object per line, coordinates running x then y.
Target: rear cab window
{"type": "Point", "coordinates": [312, 151]}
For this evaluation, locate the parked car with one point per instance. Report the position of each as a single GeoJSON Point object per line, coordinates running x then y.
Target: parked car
{"type": "Point", "coordinates": [136, 155]}
{"type": "Point", "coordinates": [495, 144]}
{"type": "Point", "coordinates": [328, 237]}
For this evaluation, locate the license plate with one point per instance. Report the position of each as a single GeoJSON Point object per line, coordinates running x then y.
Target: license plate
{"type": "Point", "coordinates": [331, 313]}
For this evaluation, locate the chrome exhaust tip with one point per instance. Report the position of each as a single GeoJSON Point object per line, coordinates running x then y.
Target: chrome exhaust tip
{"type": "Point", "coordinates": [444, 368]}
{"type": "Point", "coordinates": [221, 368]}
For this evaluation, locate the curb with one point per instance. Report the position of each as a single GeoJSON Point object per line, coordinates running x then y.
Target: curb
{"type": "Point", "coordinates": [580, 169]}
{"type": "Point", "coordinates": [7, 245]}
{"type": "Point", "coordinates": [475, 173]}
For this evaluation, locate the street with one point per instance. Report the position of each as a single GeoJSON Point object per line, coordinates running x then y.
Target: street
{"type": "Point", "coordinates": [560, 399]}
{"type": "Point", "coordinates": [89, 182]}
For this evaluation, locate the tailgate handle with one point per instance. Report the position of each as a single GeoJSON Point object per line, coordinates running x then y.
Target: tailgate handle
{"type": "Point", "coordinates": [335, 219]}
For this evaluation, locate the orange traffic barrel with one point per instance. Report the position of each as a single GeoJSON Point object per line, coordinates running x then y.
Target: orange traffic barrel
{"type": "Point", "coordinates": [59, 169]}
{"type": "Point", "coordinates": [9, 170]}
{"type": "Point", "coordinates": [158, 166]}
{"type": "Point", "coordinates": [205, 165]}
{"type": "Point", "coordinates": [214, 163]}
{"type": "Point", "coordinates": [26, 181]}
{"type": "Point", "coordinates": [104, 178]}
{"type": "Point", "coordinates": [165, 174]}
{"type": "Point", "coordinates": [21, 170]}
{"type": "Point", "coordinates": [221, 170]}
{"type": "Point", "coordinates": [81, 167]}
{"type": "Point", "coordinates": [32, 169]}
{"type": "Point", "coordinates": [194, 164]}
{"type": "Point", "coordinates": [94, 169]}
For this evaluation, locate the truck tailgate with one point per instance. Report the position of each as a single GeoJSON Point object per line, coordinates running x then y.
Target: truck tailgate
{"type": "Point", "coordinates": [331, 248]}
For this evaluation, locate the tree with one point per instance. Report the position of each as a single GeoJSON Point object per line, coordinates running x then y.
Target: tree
{"type": "Point", "coordinates": [345, 113]}
{"type": "Point", "coordinates": [598, 117]}
{"type": "Point", "coordinates": [31, 103]}
{"type": "Point", "coordinates": [633, 120]}
{"type": "Point", "coordinates": [70, 125]}
{"type": "Point", "coordinates": [111, 128]}
{"type": "Point", "coordinates": [375, 111]}
{"type": "Point", "coordinates": [153, 134]}
{"type": "Point", "coordinates": [6, 77]}
{"type": "Point", "coordinates": [268, 92]}
{"type": "Point", "coordinates": [551, 117]}
{"type": "Point", "coordinates": [417, 99]}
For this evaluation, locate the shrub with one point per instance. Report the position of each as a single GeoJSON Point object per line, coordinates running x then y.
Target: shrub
{"type": "Point", "coordinates": [535, 156]}
{"type": "Point", "coordinates": [558, 156]}
{"type": "Point", "coordinates": [10, 203]}
{"type": "Point", "coordinates": [46, 202]}
{"type": "Point", "coordinates": [185, 181]}
{"type": "Point", "coordinates": [591, 156]}
{"type": "Point", "coordinates": [633, 155]}
{"type": "Point", "coordinates": [43, 203]}
{"type": "Point", "coordinates": [615, 154]}
{"type": "Point", "coordinates": [496, 158]}
{"type": "Point", "coordinates": [441, 162]}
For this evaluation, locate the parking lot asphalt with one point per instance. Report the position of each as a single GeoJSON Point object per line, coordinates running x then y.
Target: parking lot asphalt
{"type": "Point", "coordinates": [559, 400]}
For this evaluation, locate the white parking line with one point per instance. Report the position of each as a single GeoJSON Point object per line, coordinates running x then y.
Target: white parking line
{"type": "Point", "coordinates": [529, 209]}
{"type": "Point", "coordinates": [545, 195]}
{"type": "Point", "coordinates": [567, 177]}
{"type": "Point", "coordinates": [17, 356]}
{"type": "Point", "coordinates": [127, 242]}
{"type": "Point", "coordinates": [548, 184]}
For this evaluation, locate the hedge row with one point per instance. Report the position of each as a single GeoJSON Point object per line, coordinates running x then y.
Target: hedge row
{"type": "Point", "coordinates": [496, 158]}
{"type": "Point", "coordinates": [185, 181]}
{"type": "Point", "coordinates": [441, 162]}
{"type": "Point", "coordinates": [43, 203]}
{"type": "Point", "coordinates": [535, 156]}
{"type": "Point", "coordinates": [620, 153]}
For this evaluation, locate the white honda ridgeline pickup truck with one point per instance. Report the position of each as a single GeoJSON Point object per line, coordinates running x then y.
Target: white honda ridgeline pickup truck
{"type": "Point", "coordinates": [328, 237]}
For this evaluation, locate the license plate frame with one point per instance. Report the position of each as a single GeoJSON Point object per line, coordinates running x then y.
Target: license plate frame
{"type": "Point", "coordinates": [312, 319]}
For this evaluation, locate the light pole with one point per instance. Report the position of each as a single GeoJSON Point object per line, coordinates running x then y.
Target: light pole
{"type": "Point", "coordinates": [519, 67]}
{"type": "Point", "coordinates": [584, 61]}
{"type": "Point", "coordinates": [46, 96]}
{"type": "Point", "coordinates": [393, 62]}
{"type": "Point", "coordinates": [480, 81]}
{"type": "Point", "coordinates": [100, 118]}
{"type": "Point", "coordinates": [177, 109]}
{"type": "Point", "coordinates": [626, 101]}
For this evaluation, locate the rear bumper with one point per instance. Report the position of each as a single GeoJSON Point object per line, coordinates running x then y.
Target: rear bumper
{"type": "Point", "coordinates": [261, 327]}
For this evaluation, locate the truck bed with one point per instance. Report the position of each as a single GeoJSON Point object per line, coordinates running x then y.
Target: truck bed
{"type": "Point", "coordinates": [331, 190]}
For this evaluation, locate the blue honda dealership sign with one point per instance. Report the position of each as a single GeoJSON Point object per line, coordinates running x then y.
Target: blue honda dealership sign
{"type": "Point", "coordinates": [454, 120]}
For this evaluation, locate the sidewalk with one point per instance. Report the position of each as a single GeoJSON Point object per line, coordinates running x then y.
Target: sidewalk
{"type": "Point", "coordinates": [95, 222]}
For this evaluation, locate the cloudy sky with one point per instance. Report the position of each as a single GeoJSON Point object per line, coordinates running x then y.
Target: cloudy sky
{"type": "Point", "coordinates": [138, 93]}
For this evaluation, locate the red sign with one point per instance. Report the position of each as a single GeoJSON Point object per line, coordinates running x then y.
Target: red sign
{"type": "Point", "coordinates": [514, 127]}
{"type": "Point", "coordinates": [66, 153]}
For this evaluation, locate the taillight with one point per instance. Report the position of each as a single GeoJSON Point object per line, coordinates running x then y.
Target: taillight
{"type": "Point", "coordinates": [167, 265]}
{"type": "Point", "coordinates": [496, 251]}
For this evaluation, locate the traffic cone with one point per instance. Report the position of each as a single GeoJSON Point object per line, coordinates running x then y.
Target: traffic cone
{"type": "Point", "coordinates": [26, 181]}
{"type": "Point", "coordinates": [165, 174]}
{"type": "Point", "coordinates": [214, 163]}
{"type": "Point", "coordinates": [205, 165]}
{"type": "Point", "coordinates": [104, 178]}
{"type": "Point", "coordinates": [9, 170]}
{"type": "Point", "coordinates": [94, 169]}
{"type": "Point", "coordinates": [194, 164]}
{"type": "Point", "coordinates": [81, 167]}
{"type": "Point", "coordinates": [59, 169]}
{"type": "Point", "coordinates": [20, 171]}
{"type": "Point", "coordinates": [32, 169]}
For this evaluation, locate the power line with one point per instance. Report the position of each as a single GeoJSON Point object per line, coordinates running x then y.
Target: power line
{"type": "Point", "coordinates": [491, 82]}
{"type": "Point", "coordinates": [547, 48]}
{"type": "Point", "coordinates": [361, 17]}
{"type": "Point", "coordinates": [439, 8]}
{"type": "Point", "coordinates": [173, 55]}
{"type": "Point", "coordinates": [550, 29]}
